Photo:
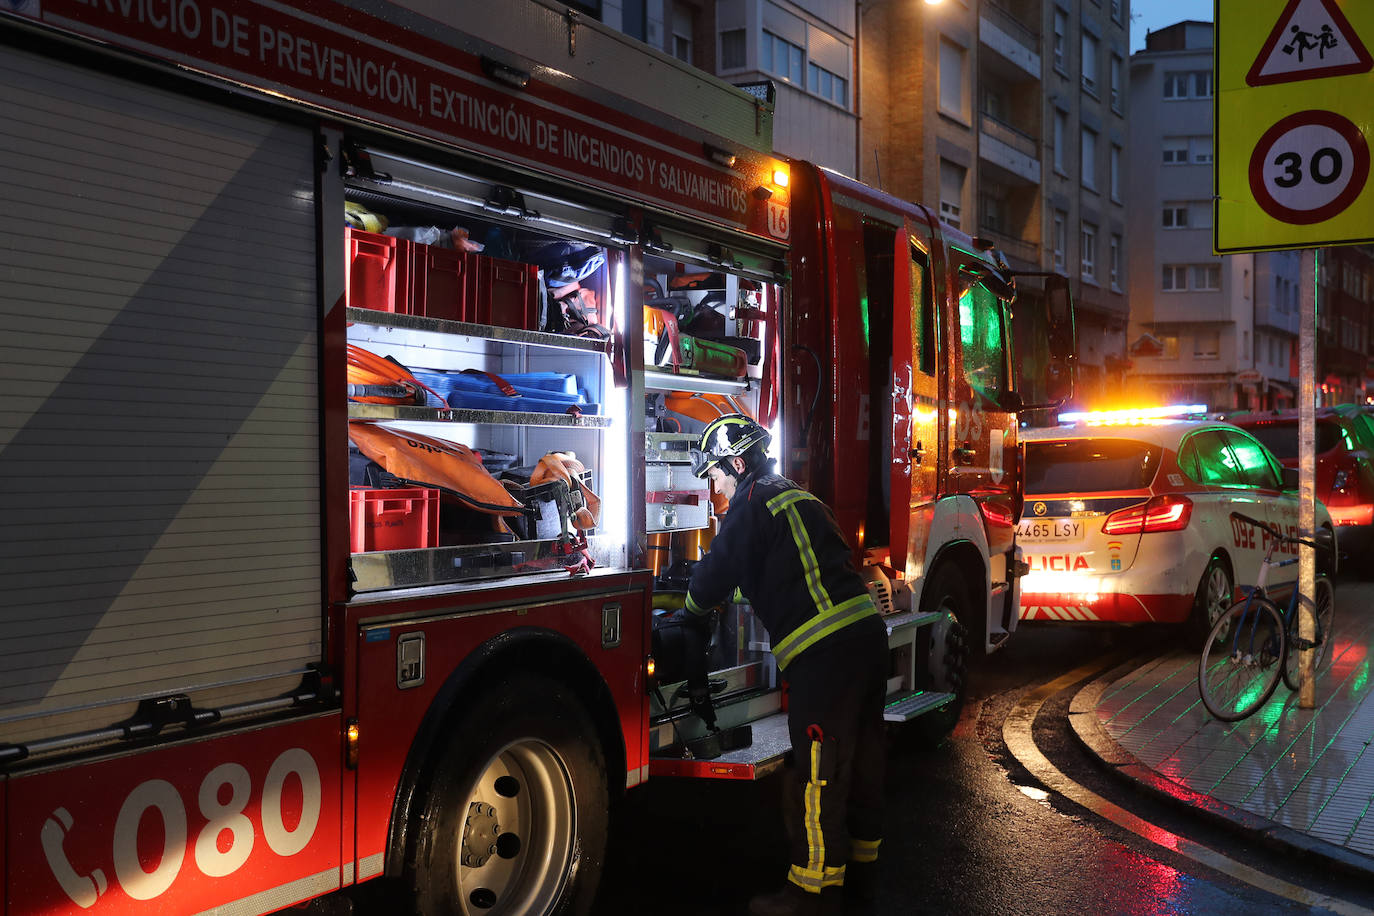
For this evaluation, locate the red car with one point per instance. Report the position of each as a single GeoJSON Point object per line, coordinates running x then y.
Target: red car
{"type": "Point", "coordinates": [1345, 467]}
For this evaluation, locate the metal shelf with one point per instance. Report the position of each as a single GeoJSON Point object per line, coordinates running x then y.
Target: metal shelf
{"type": "Point", "coordinates": [688, 380]}
{"type": "Point", "coordinates": [479, 563]}
{"type": "Point", "coordinates": [483, 331]}
{"type": "Point", "coordinates": [460, 415]}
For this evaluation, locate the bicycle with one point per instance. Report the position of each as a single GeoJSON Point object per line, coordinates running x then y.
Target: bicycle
{"type": "Point", "coordinates": [1253, 643]}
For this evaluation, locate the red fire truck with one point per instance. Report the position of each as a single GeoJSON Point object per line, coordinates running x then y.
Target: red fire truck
{"type": "Point", "coordinates": [352, 355]}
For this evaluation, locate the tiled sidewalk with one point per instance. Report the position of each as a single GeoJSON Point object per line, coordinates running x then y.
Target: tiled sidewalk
{"type": "Point", "coordinates": [1308, 770]}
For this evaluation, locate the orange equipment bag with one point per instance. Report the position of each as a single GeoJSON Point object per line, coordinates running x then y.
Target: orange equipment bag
{"type": "Point", "coordinates": [374, 379]}
{"type": "Point", "coordinates": [424, 461]}
{"type": "Point", "coordinates": [563, 466]}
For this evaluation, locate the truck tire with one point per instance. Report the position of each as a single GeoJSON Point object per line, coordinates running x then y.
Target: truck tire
{"type": "Point", "coordinates": [515, 817]}
{"type": "Point", "coordinates": [947, 669]}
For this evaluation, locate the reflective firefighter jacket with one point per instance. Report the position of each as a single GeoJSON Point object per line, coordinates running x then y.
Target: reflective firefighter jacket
{"type": "Point", "coordinates": [781, 547]}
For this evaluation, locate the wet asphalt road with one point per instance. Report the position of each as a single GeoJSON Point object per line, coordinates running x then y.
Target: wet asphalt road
{"type": "Point", "coordinates": [969, 830]}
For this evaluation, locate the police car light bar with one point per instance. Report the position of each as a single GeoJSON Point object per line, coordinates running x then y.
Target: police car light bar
{"type": "Point", "coordinates": [1135, 415]}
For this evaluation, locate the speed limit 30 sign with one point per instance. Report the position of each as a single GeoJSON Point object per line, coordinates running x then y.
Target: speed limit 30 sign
{"type": "Point", "coordinates": [1294, 105]}
{"type": "Point", "coordinates": [1309, 167]}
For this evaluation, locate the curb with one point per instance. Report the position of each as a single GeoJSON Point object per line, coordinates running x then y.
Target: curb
{"type": "Point", "coordinates": [1120, 762]}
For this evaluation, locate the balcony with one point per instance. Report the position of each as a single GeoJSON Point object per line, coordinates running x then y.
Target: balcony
{"type": "Point", "coordinates": [1009, 149]}
{"type": "Point", "coordinates": [1023, 255]}
{"type": "Point", "coordinates": [1018, 43]}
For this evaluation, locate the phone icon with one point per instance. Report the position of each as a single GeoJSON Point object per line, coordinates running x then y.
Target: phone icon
{"type": "Point", "coordinates": [84, 890]}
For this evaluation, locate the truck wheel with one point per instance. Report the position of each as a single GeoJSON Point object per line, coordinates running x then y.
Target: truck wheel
{"type": "Point", "coordinates": [1213, 598]}
{"type": "Point", "coordinates": [515, 818]}
{"type": "Point", "coordinates": [947, 667]}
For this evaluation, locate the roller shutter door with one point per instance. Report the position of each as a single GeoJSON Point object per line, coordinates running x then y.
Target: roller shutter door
{"type": "Point", "coordinates": [159, 419]}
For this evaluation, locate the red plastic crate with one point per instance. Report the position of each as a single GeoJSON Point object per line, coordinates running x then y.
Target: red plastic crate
{"type": "Point", "coordinates": [402, 519]}
{"type": "Point", "coordinates": [506, 293]}
{"type": "Point", "coordinates": [439, 283]}
{"type": "Point", "coordinates": [373, 263]}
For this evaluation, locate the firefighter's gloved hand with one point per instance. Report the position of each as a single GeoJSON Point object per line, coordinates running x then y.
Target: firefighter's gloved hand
{"type": "Point", "coordinates": [704, 625]}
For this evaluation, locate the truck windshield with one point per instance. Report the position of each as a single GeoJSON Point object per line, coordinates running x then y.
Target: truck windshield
{"type": "Point", "coordinates": [983, 331]}
{"type": "Point", "coordinates": [1089, 465]}
{"type": "Point", "coordinates": [1281, 437]}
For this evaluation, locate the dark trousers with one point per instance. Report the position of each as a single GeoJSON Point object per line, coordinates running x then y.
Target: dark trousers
{"type": "Point", "coordinates": [835, 717]}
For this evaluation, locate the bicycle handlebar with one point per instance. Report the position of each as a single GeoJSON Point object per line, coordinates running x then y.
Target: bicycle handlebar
{"type": "Point", "coordinates": [1277, 534]}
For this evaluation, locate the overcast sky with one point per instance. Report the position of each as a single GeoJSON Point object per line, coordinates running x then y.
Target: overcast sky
{"type": "Point", "coordinates": [1148, 15]}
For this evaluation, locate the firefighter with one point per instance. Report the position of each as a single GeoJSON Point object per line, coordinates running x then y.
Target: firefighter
{"type": "Point", "coordinates": [782, 548]}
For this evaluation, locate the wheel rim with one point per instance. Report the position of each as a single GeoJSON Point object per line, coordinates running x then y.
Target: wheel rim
{"type": "Point", "coordinates": [519, 833]}
{"type": "Point", "coordinates": [1217, 593]}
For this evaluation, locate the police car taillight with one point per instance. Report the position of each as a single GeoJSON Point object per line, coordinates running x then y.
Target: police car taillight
{"type": "Point", "coordinates": [1161, 513]}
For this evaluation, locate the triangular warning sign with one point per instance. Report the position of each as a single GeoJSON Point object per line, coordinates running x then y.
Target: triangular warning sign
{"type": "Point", "coordinates": [1312, 40]}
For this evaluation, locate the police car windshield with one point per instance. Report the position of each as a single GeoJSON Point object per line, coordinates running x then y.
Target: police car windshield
{"type": "Point", "coordinates": [1089, 465]}
{"type": "Point", "coordinates": [1281, 437]}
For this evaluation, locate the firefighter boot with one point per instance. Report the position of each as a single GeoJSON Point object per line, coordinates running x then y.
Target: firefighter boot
{"type": "Point", "coordinates": [860, 887]}
{"type": "Point", "coordinates": [791, 900]}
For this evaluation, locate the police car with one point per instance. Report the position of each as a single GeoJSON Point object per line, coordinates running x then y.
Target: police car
{"type": "Point", "coordinates": [1127, 518]}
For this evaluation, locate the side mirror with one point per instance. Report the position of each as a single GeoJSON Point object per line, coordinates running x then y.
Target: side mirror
{"type": "Point", "coordinates": [1290, 479]}
{"type": "Point", "coordinates": [1059, 318]}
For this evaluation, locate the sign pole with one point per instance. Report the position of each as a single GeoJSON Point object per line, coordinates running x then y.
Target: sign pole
{"type": "Point", "coordinates": [1307, 470]}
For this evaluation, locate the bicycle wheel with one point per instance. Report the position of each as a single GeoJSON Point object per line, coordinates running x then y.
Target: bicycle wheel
{"type": "Point", "coordinates": [1324, 609]}
{"type": "Point", "coordinates": [1242, 659]}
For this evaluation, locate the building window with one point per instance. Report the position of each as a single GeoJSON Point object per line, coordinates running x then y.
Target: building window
{"type": "Point", "coordinates": [992, 207]}
{"type": "Point", "coordinates": [1088, 245]}
{"type": "Point", "coordinates": [1206, 345]}
{"type": "Point", "coordinates": [1114, 169]}
{"type": "Point", "coordinates": [1118, 16]}
{"type": "Point", "coordinates": [1061, 239]}
{"type": "Point", "coordinates": [953, 86]}
{"type": "Point", "coordinates": [827, 85]}
{"type": "Point", "coordinates": [733, 49]}
{"type": "Point", "coordinates": [782, 58]}
{"type": "Point", "coordinates": [1115, 76]}
{"type": "Point", "coordinates": [1061, 129]}
{"type": "Point", "coordinates": [1089, 64]}
{"type": "Point", "coordinates": [1114, 263]}
{"type": "Point", "coordinates": [1188, 84]}
{"type": "Point", "coordinates": [1061, 26]}
{"type": "Point", "coordinates": [1207, 277]}
{"type": "Point", "coordinates": [1170, 342]}
{"type": "Point", "coordinates": [1175, 216]}
{"type": "Point", "coordinates": [1175, 150]}
{"type": "Point", "coordinates": [1175, 278]}
{"type": "Point", "coordinates": [633, 19]}
{"type": "Point", "coordinates": [951, 192]}
{"type": "Point", "coordinates": [1087, 166]}
{"type": "Point", "coordinates": [1200, 149]}
{"type": "Point", "coordinates": [681, 37]}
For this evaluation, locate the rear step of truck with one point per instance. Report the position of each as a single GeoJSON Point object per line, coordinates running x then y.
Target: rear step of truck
{"type": "Point", "coordinates": [764, 754]}
{"type": "Point", "coordinates": [771, 744]}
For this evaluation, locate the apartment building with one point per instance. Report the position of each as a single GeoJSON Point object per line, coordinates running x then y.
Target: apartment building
{"type": "Point", "coordinates": [807, 49]}
{"type": "Point", "coordinates": [1010, 115]}
{"type": "Point", "coordinates": [1205, 329]}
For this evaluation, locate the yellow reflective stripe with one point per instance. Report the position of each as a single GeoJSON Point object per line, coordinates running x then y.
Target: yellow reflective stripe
{"type": "Point", "coordinates": [696, 608]}
{"type": "Point", "coordinates": [864, 850]}
{"type": "Point", "coordinates": [821, 626]}
{"type": "Point", "coordinates": [811, 568]}
{"type": "Point", "coordinates": [813, 881]}
{"type": "Point", "coordinates": [815, 840]}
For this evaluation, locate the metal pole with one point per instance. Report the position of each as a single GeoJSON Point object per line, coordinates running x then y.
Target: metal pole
{"type": "Point", "coordinates": [1307, 469]}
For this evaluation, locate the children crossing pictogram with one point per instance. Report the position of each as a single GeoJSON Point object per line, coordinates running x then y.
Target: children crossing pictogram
{"type": "Point", "coordinates": [1311, 40]}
